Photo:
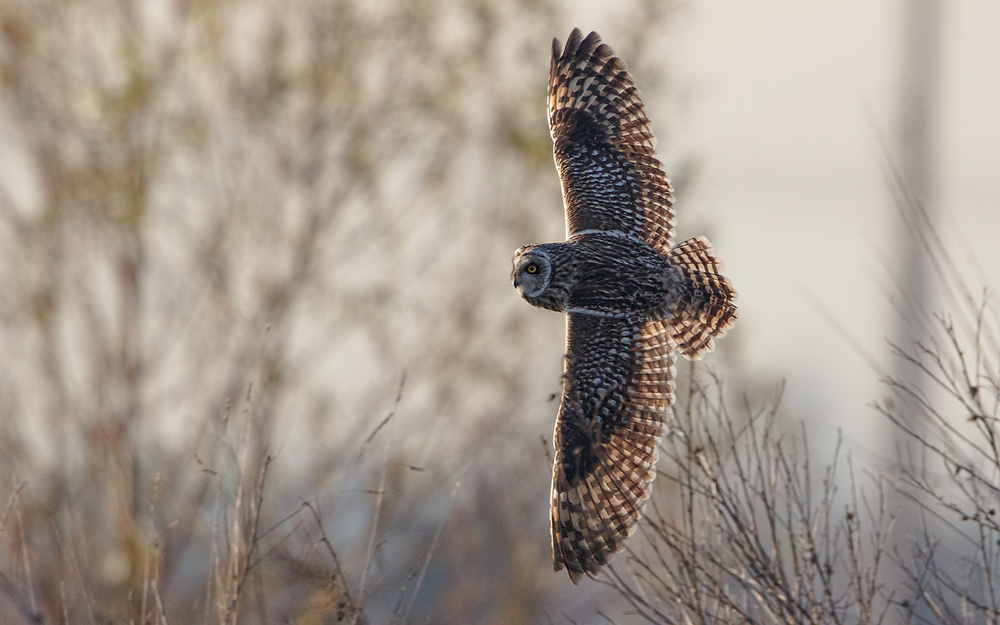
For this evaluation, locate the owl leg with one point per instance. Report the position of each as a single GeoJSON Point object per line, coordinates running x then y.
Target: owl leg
{"type": "Point", "coordinates": [701, 305]}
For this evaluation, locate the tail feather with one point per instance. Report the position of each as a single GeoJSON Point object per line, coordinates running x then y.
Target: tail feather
{"type": "Point", "coordinates": [705, 308]}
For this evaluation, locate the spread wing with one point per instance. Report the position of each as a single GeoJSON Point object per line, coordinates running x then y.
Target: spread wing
{"type": "Point", "coordinates": [617, 394]}
{"type": "Point", "coordinates": [611, 178]}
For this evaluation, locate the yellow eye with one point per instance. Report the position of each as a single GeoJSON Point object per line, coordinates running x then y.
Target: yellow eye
{"type": "Point", "coordinates": [532, 268]}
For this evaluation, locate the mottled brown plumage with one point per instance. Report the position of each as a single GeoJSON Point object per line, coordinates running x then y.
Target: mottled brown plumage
{"type": "Point", "coordinates": [631, 298]}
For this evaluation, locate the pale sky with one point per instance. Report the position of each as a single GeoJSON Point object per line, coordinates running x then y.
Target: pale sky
{"type": "Point", "coordinates": [785, 105]}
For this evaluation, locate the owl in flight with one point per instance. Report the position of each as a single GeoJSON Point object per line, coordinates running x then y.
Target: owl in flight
{"type": "Point", "coordinates": [631, 298]}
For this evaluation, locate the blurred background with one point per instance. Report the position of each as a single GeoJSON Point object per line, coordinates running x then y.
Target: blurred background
{"type": "Point", "coordinates": [262, 360]}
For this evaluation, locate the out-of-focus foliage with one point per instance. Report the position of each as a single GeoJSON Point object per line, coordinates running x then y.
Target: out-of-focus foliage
{"type": "Point", "coordinates": [229, 230]}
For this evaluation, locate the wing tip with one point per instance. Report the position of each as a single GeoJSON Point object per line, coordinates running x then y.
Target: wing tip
{"type": "Point", "coordinates": [578, 45]}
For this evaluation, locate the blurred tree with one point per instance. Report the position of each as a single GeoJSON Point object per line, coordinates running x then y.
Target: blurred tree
{"type": "Point", "coordinates": [228, 229]}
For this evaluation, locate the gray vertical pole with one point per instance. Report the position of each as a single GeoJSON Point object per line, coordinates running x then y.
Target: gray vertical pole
{"type": "Point", "coordinates": [915, 136]}
{"type": "Point", "coordinates": [916, 195]}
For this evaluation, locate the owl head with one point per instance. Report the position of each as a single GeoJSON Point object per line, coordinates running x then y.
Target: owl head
{"type": "Point", "coordinates": [532, 271]}
{"type": "Point", "coordinates": [532, 275]}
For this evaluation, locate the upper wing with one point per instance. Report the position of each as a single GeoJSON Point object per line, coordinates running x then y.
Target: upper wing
{"type": "Point", "coordinates": [617, 394]}
{"type": "Point", "coordinates": [611, 178]}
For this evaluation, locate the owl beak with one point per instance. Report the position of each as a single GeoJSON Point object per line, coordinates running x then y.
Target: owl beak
{"type": "Point", "coordinates": [515, 280]}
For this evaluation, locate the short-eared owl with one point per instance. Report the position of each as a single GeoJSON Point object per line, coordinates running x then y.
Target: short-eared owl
{"type": "Point", "coordinates": [631, 296]}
